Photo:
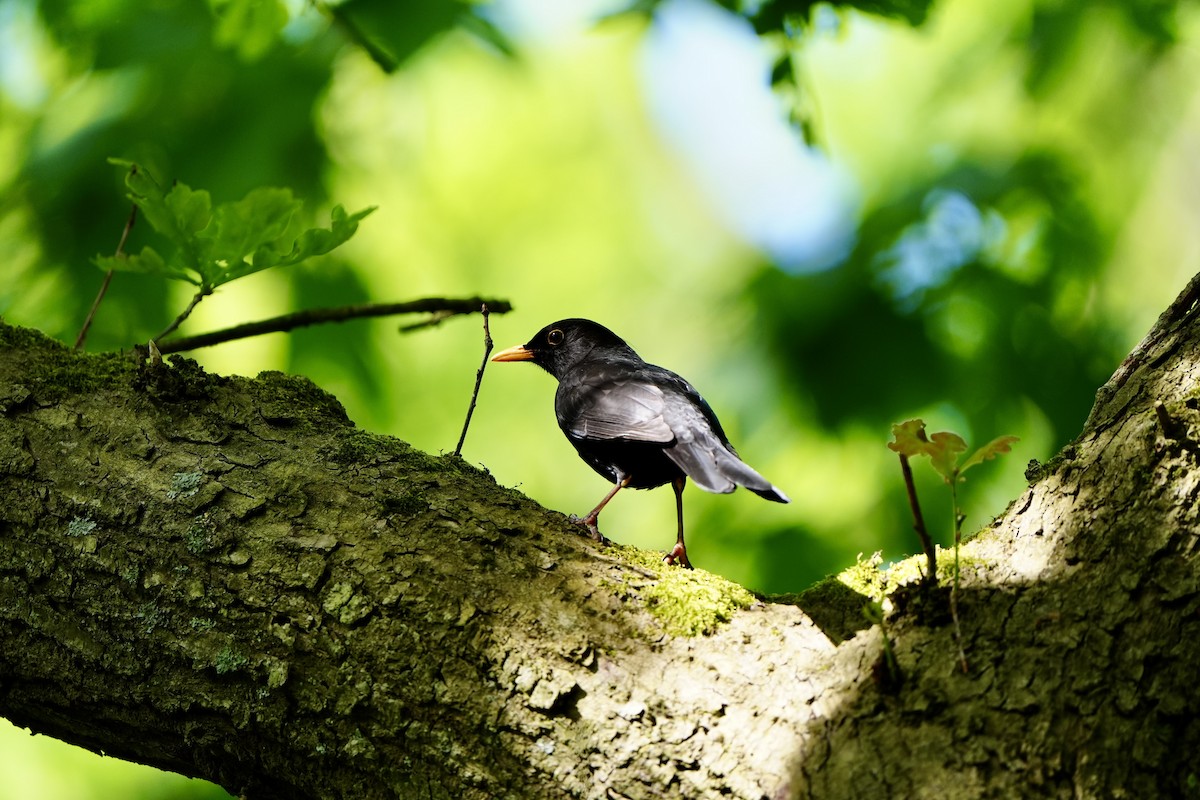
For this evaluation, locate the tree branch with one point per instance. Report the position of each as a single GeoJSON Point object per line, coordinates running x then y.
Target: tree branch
{"type": "Point", "coordinates": [223, 577]}
{"type": "Point", "coordinates": [441, 307]}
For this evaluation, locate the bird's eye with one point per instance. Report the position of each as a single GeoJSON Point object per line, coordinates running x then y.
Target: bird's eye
{"type": "Point", "coordinates": [554, 338]}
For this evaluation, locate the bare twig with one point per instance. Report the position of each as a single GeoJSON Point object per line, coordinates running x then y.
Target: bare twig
{"type": "Point", "coordinates": [167, 331]}
{"type": "Point", "coordinates": [919, 522]}
{"type": "Point", "coordinates": [432, 321]}
{"type": "Point", "coordinates": [958, 521]}
{"type": "Point", "coordinates": [487, 351]}
{"type": "Point", "coordinates": [87, 323]}
{"type": "Point", "coordinates": [314, 316]}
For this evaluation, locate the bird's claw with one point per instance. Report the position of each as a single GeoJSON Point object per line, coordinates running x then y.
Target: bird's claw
{"type": "Point", "coordinates": [677, 555]}
{"type": "Point", "coordinates": [590, 526]}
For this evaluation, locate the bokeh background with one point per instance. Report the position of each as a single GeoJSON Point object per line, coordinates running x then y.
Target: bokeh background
{"type": "Point", "coordinates": [828, 218]}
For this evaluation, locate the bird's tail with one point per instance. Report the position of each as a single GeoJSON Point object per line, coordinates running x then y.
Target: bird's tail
{"type": "Point", "coordinates": [717, 469]}
{"type": "Point", "coordinates": [743, 474]}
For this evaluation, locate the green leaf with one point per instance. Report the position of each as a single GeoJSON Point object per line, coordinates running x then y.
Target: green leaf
{"type": "Point", "coordinates": [191, 211]}
{"type": "Point", "coordinates": [312, 242]}
{"type": "Point", "coordinates": [148, 262]}
{"type": "Point", "coordinates": [213, 246]}
{"type": "Point", "coordinates": [249, 26]}
{"type": "Point", "coordinates": [944, 450]}
{"type": "Point", "coordinates": [258, 223]}
{"type": "Point", "coordinates": [391, 32]}
{"type": "Point", "coordinates": [997, 446]}
{"type": "Point", "coordinates": [774, 15]}
{"type": "Point", "coordinates": [909, 438]}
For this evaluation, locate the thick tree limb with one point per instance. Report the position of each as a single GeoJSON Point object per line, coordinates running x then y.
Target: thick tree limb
{"type": "Point", "coordinates": [225, 578]}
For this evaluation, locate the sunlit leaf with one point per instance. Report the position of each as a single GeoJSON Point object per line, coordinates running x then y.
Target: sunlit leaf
{"type": "Point", "coordinates": [909, 438]}
{"type": "Point", "coordinates": [213, 246]}
{"type": "Point", "coordinates": [260, 222]}
{"type": "Point", "coordinates": [944, 450]}
{"type": "Point", "coordinates": [943, 447]}
{"type": "Point", "coordinates": [309, 243]}
{"type": "Point", "coordinates": [175, 219]}
{"type": "Point", "coordinates": [997, 446]}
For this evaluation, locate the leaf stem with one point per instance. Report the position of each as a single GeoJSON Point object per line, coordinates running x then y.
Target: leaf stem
{"type": "Point", "coordinates": [204, 292]}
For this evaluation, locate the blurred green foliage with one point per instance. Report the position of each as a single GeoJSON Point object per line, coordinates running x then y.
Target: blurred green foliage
{"type": "Point", "coordinates": [211, 246]}
{"type": "Point", "coordinates": [1022, 170]}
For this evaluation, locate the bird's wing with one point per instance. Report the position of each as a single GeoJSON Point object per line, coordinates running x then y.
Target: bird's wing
{"type": "Point", "coordinates": [604, 408]}
{"type": "Point", "coordinates": [702, 451]}
{"type": "Point", "coordinates": [699, 451]}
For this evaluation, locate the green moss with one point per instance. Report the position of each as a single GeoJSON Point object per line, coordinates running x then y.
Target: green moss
{"type": "Point", "coordinates": [406, 504]}
{"type": "Point", "coordinates": [687, 602]}
{"type": "Point", "coordinates": [199, 536]}
{"type": "Point", "coordinates": [50, 370]}
{"type": "Point", "coordinates": [291, 399]}
{"type": "Point", "coordinates": [836, 608]}
{"type": "Point", "coordinates": [1035, 471]}
{"type": "Point", "coordinates": [80, 527]}
{"type": "Point", "coordinates": [185, 484]}
{"type": "Point", "coordinates": [866, 578]}
{"type": "Point", "coordinates": [151, 616]}
{"type": "Point", "coordinates": [363, 448]}
{"type": "Point", "coordinates": [277, 674]}
{"type": "Point", "coordinates": [911, 570]}
{"type": "Point", "coordinates": [229, 660]}
{"type": "Point", "coordinates": [12, 336]}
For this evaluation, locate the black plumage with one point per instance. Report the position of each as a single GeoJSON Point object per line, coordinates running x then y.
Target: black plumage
{"type": "Point", "coordinates": [635, 423]}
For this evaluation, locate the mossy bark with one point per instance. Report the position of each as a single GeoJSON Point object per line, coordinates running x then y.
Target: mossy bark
{"type": "Point", "coordinates": [223, 577]}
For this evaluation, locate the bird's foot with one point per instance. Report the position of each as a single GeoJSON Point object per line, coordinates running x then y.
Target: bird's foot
{"type": "Point", "coordinates": [678, 555]}
{"type": "Point", "coordinates": [589, 524]}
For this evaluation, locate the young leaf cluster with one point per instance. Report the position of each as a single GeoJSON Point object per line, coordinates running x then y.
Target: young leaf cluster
{"type": "Point", "coordinates": [211, 246]}
{"type": "Point", "coordinates": [944, 448]}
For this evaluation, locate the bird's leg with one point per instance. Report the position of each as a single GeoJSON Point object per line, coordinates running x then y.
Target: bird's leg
{"type": "Point", "coordinates": [678, 554]}
{"type": "Point", "coordinates": [592, 520]}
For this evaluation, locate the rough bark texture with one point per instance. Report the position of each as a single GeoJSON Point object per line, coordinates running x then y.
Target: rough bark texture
{"type": "Point", "coordinates": [224, 578]}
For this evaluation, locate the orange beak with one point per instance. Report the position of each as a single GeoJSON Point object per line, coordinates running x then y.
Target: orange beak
{"type": "Point", "coordinates": [518, 353]}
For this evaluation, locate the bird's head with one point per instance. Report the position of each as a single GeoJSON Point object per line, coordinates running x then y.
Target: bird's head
{"type": "Point", "coordinates": [562, 345]}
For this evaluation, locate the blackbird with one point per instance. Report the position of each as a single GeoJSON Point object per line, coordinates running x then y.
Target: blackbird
{"type": "Point", "coordinates": [637, 424]}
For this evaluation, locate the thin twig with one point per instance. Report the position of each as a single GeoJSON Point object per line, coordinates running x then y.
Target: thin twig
{"type": "Point", "coordinates": [958, 521]}
{"type": "Point", "coordinates": [432, 321]}
{"type": "Point", "coordinates": [87, 323]}
{"type": "Point", "coordinates": [316, 316]}
{"type": "Point", "coordinates": [167, 331]}
{"type": "Point", "coordinates": [487, 351]}
{"type": "Point", "coordinates": [919, 521]}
